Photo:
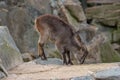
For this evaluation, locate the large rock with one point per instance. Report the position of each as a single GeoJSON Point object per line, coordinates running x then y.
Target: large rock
{"type": "Point", "coordinates": [116, 36]}
{"type": "Point", "coordinates": [3, 71]}
{"type": "Point", "coordinates": [2, 75]}
{"type": "Point", "coordinates": [21, 22]}
{"type": "Point", "coordinates": [27, 57]}
{"type": "Point", "coordinates": [108, 54]}
{"type": "Point", "coordinates": [22, 30]}
{"type": "Point", "coordinates": [3, 16]}
{"type": "Point", "coordinates": [75, 9]}
{"type": "Point", "coordinates": [70, 11]}
{"type": "Point", "coordinates": [42, 6]}
{"type": "Point", "coordinates": [93, 48]}
{"type": "Point", "coordinates": [101, 50]}
{"type": "Point", "coordinates": [105, 14]}
{"type": "Point", "coordinates": [107, 17]}
{"type": "Point", "coordinates": [9, 53]}
{"type": "Point", "coordinates": [109, 74]}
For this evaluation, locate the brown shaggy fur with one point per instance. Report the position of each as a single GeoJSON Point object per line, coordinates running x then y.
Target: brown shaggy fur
{"type": "Point", "coordinates": [63, 35]}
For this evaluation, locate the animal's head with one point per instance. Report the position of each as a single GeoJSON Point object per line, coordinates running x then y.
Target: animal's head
{"type": "Point", "coordinates": [79, 50]}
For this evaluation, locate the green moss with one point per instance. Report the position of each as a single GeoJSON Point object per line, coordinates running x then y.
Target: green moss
{"type": "Point", "coordinates": [108, 54]}
{"type": "Point", "coordinates": [116, 35]}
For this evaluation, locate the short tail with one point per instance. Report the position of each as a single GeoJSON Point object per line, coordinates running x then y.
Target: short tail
{"type": "Point", "coordinates": [36, 24]}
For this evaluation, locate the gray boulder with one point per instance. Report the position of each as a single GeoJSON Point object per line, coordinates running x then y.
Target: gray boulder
{"type": "Point", "coordinates": [109, 74]}
{"type": "Point", "coordinates": [22, 30]}
{"type": "Point", "coordinates": [9, 53]}
{"type": "Point", "coordinates": [50, 61]}
{"type": "Point", "coordinates": [3, 16]}
{"type": "Point", "coordinates": [2, 69]}
{"type": "Point", "coordinates": [42, 6]}
{"type": "Point", "coordinates": [82, 78]}
{"type": "Point", "coordinates": [105, 14]}
{"type": "Point", "coordinates": [75, 9]}
{"type": "Point", "coordinates": [2, 75]}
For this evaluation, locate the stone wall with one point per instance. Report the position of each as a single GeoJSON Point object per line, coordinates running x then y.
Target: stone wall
{"type": "Point", "coordinates": [9, 53]}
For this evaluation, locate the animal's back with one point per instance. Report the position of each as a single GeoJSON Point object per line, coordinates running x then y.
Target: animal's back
{"type": "Point", "coordinates": [55, 26]}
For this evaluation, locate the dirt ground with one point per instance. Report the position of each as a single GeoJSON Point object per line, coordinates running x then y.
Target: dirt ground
{"type": "Point", "coordinates": [33, 71]}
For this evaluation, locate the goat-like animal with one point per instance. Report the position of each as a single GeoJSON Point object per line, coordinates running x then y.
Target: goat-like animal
{"type": "Point", "coordinates": [64, 36]}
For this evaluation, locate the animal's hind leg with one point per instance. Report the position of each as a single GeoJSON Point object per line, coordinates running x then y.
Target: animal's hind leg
{"type": "Point", "coordinates": [69, 58]}
{"type": "Point", "coordinates": [41, 51]}
{"type": "Point", "coordinates": [41, 42]}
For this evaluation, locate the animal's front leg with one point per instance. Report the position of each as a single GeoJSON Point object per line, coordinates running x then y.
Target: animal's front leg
{"type": "Point", "coordinates": [84, 56]}
{"type": "Point", "coordinates": [62, 51]}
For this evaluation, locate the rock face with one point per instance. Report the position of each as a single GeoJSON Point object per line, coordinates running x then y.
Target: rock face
{"type": "Point", "coordinates": [3, 13]}
{"type": "Point", "coordinates": [3, 17]}
{"type": "Point", "coordinates": [22, 30]}
{"type": "Point", "coordinates": [3, 71]}
{"type": "Point", "coordinates": [75, 9]}
{"type": "Point", "coordinates": [116, 35]}
{"type": "Point", "coordinates": [108, 54]}
{"type": "Point", "coordinates": [19, 16]}
{"type": "Point", "coordinates": [106, 14]}
{"type": "Point", "coordinates": [43, 6]}
{"type": "Point", "coordinates": [106, 18]}
{"type": "Point", "coordinates": [109, 74]}
{"type": "Point", "coordinates": [70, 11]}
{"type": "Point", "coordinates": [2, 75]}
{"type": "Point", "coordinates": [9, 53]}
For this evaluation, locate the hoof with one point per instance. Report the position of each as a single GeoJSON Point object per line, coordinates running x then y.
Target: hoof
{"type": "Point", "coordinates": [43, 58]}
{"type": "Point", "coordinates": [64, 63]}
{"type": "Point", "coordinates": [70, 63]}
